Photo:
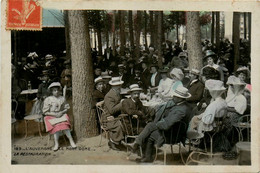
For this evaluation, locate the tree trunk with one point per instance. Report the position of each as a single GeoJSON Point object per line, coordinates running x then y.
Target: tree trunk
{"type": "Point", "coordinates": [155, 29]}
{"type": "Point", "coordinates": [95, 38]}
{"type": "Point", "coordinates": [236, 37]}
{"type": "Point", "coordinates": [217, 31]}
{"type": "Point", "coordinates": [245, 26]}
{"type": "Point", "coordinates": [194, 40]}
{"type": "Point", "coordinates": [131, 30]}
{"type": "Point", "coordinates": [67, 35]}
{"type": "Point", "coordinates": [163, 36]}
{"type": "Point", "coordinates": [151, 28]}
{"type": "Point", "coordinates": [213, 28]}
{"type": "Point", "coordinates": [145, 31]}
{"type": "Point", "coordinates": [177, 27]}
{"type": "Point", "coordinates": [137, 34]}
{"type": "Point", "coordinates": [85, 124]}
{"type": "Point", "coordinates": [107, 39]}
{"type": "Point", "coordinates": [177, 32]}
{"type": "Point", "coordinates": [114, 33]}
{"type": "Point", "coordinates": [159, 40]}
{"type": "Point", "coordinates": [122, 32]}
{"type": "Point", "coordinates": [99, 42]}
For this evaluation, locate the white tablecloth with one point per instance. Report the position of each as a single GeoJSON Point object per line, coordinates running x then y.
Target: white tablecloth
{"type": "Point", "coordinates": [32, 91]}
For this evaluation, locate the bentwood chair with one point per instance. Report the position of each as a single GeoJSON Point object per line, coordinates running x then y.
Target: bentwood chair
{"type": "Point", "coordinates": [13, 114]}
{"type": "Point", "coordinates": [176, 135]}
{"type": "Point", "coordinates": [219, 126]}
{"type": "Point", "coordinates": [103, 123]}
{"type": "Point", "coordinates": [244, 122]}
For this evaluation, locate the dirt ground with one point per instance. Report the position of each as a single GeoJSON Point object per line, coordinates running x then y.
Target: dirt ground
{"type": "Point", "coordinates": [36, 150]}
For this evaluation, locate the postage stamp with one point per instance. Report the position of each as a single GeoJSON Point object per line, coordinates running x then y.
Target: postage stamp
{"type": "Point", "coordinates": [23, 15]}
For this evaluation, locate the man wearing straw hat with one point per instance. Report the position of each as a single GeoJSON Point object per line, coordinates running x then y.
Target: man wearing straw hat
{"type": "Point", "coordinates": [154, 132]}
{"type": "Point", "coordinates": [195, 88]}
{"type": "Point", "coordinates": [106, 78]}
{"type": "Point", "coordinates": [133, 106]}
{"type": "Point", "coordinates": [112, 109]}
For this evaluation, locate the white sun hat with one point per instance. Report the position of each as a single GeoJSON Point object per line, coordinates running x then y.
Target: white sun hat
{"type": "Point", "coordinates": [214, 85]}
{"type": "Point", "coordinates": [54, 84]}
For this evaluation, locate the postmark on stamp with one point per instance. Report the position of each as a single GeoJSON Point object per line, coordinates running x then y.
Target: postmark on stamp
{"type": "Point", "coordinates": [23, 15]}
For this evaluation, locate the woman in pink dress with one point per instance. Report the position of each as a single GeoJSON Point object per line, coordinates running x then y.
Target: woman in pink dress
{"type": "Point", "coordinates": [56, 119]}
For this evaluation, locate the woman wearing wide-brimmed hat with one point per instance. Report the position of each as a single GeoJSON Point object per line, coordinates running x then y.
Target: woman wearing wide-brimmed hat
{"type": "Point", "coordinates": [216, 109]}
{"type": "Point", "coordinates": [165, 84]}
{"type": "Point", "coordinates": [56, 119]}
{"type": "Point", "coordinates": [211, 59]}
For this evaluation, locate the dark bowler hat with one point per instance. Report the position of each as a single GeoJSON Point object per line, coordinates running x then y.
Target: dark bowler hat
{"type": "Point", "coordinates": [130, 60]}
{"type": "Point", "coordinates": [154, 65]}
{"type": "Point", "coordinates": [164, 69]}
{"type": "Point", "coordinates": [210, 53]}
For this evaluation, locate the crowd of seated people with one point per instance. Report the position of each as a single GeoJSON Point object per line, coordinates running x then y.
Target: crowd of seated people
{"type": "Point", "coordinates": [175, 93]}
{"type": "Point", "coordinates": [157, 96]}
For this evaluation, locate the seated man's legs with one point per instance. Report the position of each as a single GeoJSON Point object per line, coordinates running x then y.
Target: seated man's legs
{"type": "Point", "coordinates": [149, 128]}
{"type": "Point", "coordinates": [115, 131]}
{"type": "Point", "coordinates": [155, 138]}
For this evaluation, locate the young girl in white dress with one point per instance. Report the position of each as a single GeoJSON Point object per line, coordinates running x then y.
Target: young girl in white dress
{"type": "Point", "coordinates": [56, 120]}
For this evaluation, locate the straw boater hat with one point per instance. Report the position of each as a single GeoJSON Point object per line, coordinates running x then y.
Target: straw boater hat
{"type": "Point", "coordinates": [177, 72]}
{"type": "Point", "coordinates": [181, 92]}
{"type": "Point", "coordinates": [105, 75]}
{"type": "Point", "coordinates": [195, 71]}
{"type": "Point", "coordinates": [98, 79]}
{"type": "Point", "coordinates": [121, 66]}
{"type": "Point", "coordinates": [54, 84]}
{"type": "Point", "coordinates": [214, 85]}
{"type": "Point", "coordinates": [33, 54]}
{"type": "Point", "coordinates": [134, 87]}
{"type": "Point", "coordinates": [115, 81]}
{"type": "Point", "coordinates": [48, 57]}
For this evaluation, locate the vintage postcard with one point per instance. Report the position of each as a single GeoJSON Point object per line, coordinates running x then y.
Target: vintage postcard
{"type": "Point", "coordinates": [130, 86]}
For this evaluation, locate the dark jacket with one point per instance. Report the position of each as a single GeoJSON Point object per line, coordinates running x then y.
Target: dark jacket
{"type": "Point", "coordinates": [145, 78]}
{"type": "Point", "coordinates": [157, 79]}
{"type": "Point", "coordinates": [112, 104]}
{"type": "Point", "coordinates": [196, 90]}
{"type": "Point", "coordinates": [172, 116]}
{"type": "Point", "coordinates": [132, 108]}
{"type": "Point", "coordinates": [97, 97]}
{"type": "Point", "coordinates": [43, 90]}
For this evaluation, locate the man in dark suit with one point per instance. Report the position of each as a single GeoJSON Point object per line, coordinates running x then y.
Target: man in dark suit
{"type": "Point", "coordinates": [112, 109]}
{"type": "Point", "coordinates": [195, 87]}
{"type": "Point", "coordinates": [133, 106]}
{"type": "Point", "coordinates": [98, 94]}
{"type": "Point", "coordinates": [154, 78]}
{"type": "Point", "coordinates": [145, 75]}
{"type": "Point", "coordinates": [153, 132]}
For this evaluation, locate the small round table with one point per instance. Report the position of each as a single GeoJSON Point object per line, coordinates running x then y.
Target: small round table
{"type": "Point", "coordinates": [29, 118]}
